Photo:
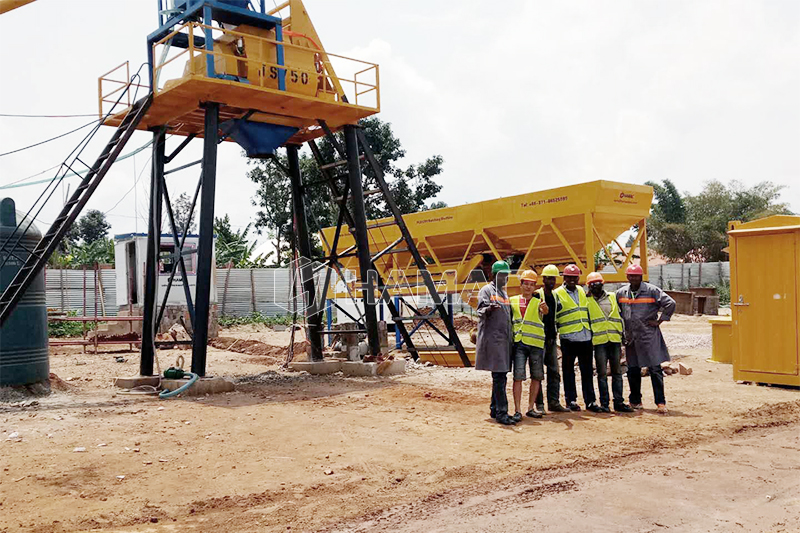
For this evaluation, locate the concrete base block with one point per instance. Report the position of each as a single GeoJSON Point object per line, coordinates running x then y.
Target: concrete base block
{"type": "Point", "coordinates": [392, 368]}
{"type": "Point", "coordinates": [358, 368]}
{"type": "Point", "coordinates": [203, 386]}
{"type": "Point", "coordinates": [317, 367]}
{"type": "Point", "coordinates": [135, 381]}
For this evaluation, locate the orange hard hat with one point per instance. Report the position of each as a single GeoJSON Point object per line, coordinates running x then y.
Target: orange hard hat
{"type": "Point", "coordinates": [528, 275]}
{"type": "Point", "coordinates": [572, 270]}
{"type": "Point", "coordinates": [595, 276]}
{"type": "Point", "coordinates": [634, 270]}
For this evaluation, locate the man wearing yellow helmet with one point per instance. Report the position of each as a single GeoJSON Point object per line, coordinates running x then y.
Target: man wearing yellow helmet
{"type": "Point", "coordinates": [527, 310]}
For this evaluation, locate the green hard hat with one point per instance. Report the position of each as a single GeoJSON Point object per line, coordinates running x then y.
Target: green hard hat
{"type": "Point", "coordinates": [500, 266]}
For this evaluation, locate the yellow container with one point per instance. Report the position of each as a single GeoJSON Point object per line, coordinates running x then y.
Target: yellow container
{"type": "Point", "coordinates": [721, 349]}
{"type": "Point", "coordinates": [765, 292]}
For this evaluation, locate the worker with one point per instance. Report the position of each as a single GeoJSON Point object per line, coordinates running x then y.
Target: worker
{"type": "Point", "coordinates": [494, 342]}
{"type": "Point", "coordinates": [545, 293]}
{"type": "Point", "coordinates": [607, 330]}
{"type": "Point", "coordinates": [572, 320]}
{"type": "Point", "coordinates": [640, 304]}
{"type": "Point", "coordinates": [527, 310]}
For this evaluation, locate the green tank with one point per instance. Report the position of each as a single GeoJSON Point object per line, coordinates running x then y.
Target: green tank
{"type": "Point", "coordinates": [23, 338]}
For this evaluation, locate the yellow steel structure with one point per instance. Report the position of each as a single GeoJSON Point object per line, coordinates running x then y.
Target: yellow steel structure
{"type": "Point", "coordinates": [249, 57]}
{"type": "Point", "coordinates": [765, 292]}
{"type": "Point", "coordinates": [560, 226]}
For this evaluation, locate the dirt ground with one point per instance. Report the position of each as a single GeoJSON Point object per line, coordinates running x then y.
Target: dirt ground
{"type": "Point", "coordinates": [290, 451]}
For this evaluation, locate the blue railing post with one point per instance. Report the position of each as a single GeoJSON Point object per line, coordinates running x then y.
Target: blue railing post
{"type": "Point", "coordinates": [207, 20]}
{"type": "Point", "coordinates": [329, 314]}
{"type": "Point", "coordinates": [279, 54]}
{"type": "Point", "coordinates": [398, 339]}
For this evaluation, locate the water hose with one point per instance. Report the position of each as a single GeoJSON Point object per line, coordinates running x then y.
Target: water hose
{"type": "Point", "coordinates": [166, 393]}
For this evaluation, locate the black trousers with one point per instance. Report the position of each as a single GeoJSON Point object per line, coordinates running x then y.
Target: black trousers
{"type": "Point", "coordinates": [656, 378]}
{"type": "Point", "coordinates": [584, 353]}
{"type": "Point", "coordinates": [499, 404]}
{"type": "Point", "coordinates": [553, 376]}
{"type": "Point", "coordinates": [605, 354]}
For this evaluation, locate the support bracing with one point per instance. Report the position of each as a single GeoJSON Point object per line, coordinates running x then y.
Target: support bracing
{"type": "Point", "coordinates": [205, 246]}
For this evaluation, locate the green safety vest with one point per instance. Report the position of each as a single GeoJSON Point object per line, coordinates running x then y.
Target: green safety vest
{"type": "Point", "coordinates": [571, 318]}
{"type": "Point", "coordinates": [530, 329]}
{"type": "Point", "coordinates": [605, 328]}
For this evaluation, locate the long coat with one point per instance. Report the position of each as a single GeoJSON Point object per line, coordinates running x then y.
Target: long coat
{"type": "Point", "coordinates": [495, 337]}
{"type": "Point", "coordinates": [644, 344]}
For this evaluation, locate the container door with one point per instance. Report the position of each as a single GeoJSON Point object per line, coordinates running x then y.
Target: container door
{"type": "Point", "coordinates": [766, 303]}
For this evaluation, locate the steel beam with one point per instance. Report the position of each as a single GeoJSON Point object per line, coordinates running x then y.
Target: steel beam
{"type": "Point", "coordinates": [205, 246]}
{"type": "Point", "coordinates": [362, 238]}
{"type": "Point", "coordinates": [313, 314]}
{"type": "Point", "coordinates": [153, 246]}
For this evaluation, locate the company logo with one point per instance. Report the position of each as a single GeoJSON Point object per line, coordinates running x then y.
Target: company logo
{"type": "Point", "coordinates": [625, 195]}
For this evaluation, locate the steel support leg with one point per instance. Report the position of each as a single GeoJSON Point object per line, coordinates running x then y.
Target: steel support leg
{"type": "Point", "coordinates": [205, 247]}
{"type": "Point", "coordinates": [151, 265]}
{"type": "Point", "coordinates": [362, 239]}
{"type": "Point", "coordinates": [313, 311]}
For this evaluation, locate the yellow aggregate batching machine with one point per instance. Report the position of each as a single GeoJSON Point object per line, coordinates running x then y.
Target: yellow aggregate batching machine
{"type": "Point", "coordinates": [257, 75]}
{"type": "Point", "coordinates": [556, 226]}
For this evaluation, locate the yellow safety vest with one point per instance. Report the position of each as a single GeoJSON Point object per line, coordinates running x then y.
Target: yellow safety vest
{"type": "Point", "coordinates": [605, 328]}
{"type": "Point", "coordinates": [530, 329]}
{"type": "Point", "coordinates": [572, 317]}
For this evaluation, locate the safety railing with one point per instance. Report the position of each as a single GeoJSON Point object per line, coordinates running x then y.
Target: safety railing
{"type": "Point", "coordinates": [332, 83]}
{"type": "Point", "coordinates": [109, 86]}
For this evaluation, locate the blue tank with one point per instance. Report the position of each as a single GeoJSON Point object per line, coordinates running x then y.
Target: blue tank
{"type": "Point", "coordinates": [23, 338]}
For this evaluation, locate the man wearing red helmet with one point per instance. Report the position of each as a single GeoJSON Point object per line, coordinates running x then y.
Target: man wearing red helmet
{"type": "Point", "coordinates": [640, 304]}
{"type": "Point", "coordinates": [572, 320]}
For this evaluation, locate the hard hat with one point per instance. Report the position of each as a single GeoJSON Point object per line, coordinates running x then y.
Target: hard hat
{"type": "Point", "coordinates": [550, 270]}
{"type": "Point", "coordinates": [595, 276]}
{"type": "Point", "coordinates": [634, 270]}
{"type": "Point", "coordinates": [528, 275]}
{"type": "Point", "coordinates": [500, 266]}
{"type": "Point", "coordinates": [572, 270]}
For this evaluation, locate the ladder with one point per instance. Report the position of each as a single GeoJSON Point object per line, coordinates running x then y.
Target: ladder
{"type": "Point", "coordinates": [38, 258]}
{"type": "Point", "coordinates": [341, 197]}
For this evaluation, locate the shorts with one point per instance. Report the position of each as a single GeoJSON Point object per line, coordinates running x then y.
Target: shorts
{"type": "Point", "coordinates": [528, 356]}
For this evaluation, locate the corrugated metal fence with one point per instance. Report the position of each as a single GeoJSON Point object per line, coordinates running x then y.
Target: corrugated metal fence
{"type": "Point", "coordinates": [681, 276]}
{"type": "Point", "coordinates": [268, 291]}
{"type": "Point", "coordinates": [84, 291]}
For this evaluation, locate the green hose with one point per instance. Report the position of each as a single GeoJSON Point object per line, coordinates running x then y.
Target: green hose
{"type": "Point", "coordinates": [166, 393]}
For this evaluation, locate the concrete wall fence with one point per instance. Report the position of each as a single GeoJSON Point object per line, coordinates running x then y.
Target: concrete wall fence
{"type": "Point", "coordinates": [241, 291]}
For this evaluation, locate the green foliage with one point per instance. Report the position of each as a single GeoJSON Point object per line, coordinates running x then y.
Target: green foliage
{"type": "Point", "coordinates": [57, 328]}
{"type": "Point", "coordinates": [693, 227]}
{"type": "Point", "coordinates": [232, 247]}
{"type": "Point", "coordinates": [180, 209]}
{"type": "Point", "coordinates": [255, 318]}
{"type": "Point", "coordinates": [92, 226]}
{"type": "Point", "coordinates": [86, 243]}
{"type": "Point", "coordinates": [411, 187]}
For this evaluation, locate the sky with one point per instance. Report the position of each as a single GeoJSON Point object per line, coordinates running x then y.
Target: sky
{"type": "Point", "coordinates": [525, 97]}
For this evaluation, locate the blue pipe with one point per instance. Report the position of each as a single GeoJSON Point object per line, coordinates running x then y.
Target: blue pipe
{"type": "Point", "coordinates": [166, 393]}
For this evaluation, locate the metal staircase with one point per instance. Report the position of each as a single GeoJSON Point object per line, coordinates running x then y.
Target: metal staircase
{"type": "Point", "coordinates": [38, 257]}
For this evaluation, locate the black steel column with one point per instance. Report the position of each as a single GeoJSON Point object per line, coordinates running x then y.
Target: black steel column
{"type": "Point", "coordinates": [153, 248]}
{"type": "Point", "coordinates": [313, 311]}
{"type": "Point", "coordinates": [206, 245]}
{"type": "Point", "coordinates": [362, 239]}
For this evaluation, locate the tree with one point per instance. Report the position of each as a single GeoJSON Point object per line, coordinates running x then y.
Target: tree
{"type": "Point", "coordinates": [411, 187]}
{"type": "Point", "coordinates": [693, 227]}
{"type": "Point", "coordinates": [180, 208]}
{"type": "Point", "coordinates": [233, 246]}
{"type": "Point", "coordinates": [91, 227]}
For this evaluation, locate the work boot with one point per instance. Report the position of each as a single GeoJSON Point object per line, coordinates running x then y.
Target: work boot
{"type": "Point", "coordinates": [637, 406]}
{"type": "Point", "coordinates": [573, 406]}
{"type": "Point", "coordinates": [605, 409]}
{"type": "Point", "coordinates": [504, 419]}
{"type": "Point", "coordinates": [517, 417]}
{"type": "Point", "coordinates": [593, 407]}
{"type": "Point", "coordinates": [662, 409]}
{"type": "Point", "coordinates": [623, 408]}
{"type": "Point", "coordinates": [540, 408]}
{"type": "Point", "coordinates": [534, 414]}
{"type": "Point", "coordinates": [557, 408]}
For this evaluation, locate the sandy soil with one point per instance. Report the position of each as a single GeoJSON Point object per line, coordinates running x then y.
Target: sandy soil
{"type": "Point", "coordinates": [300, 452]}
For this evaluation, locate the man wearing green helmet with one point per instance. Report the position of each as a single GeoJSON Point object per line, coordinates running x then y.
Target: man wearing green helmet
{"type": "Point", "coordinates": [495, 338]}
